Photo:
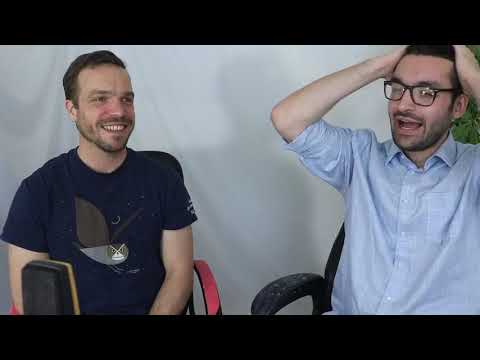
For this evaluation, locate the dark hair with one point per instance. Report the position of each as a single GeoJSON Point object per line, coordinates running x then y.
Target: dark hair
{"type": "Point", "coordinates": [89, 60]}
{"type": "Point", "coordinates": [441, 51]}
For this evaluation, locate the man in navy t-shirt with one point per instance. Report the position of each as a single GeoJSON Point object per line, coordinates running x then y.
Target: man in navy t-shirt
{"type": "Point", "coordinates": [121, 220]}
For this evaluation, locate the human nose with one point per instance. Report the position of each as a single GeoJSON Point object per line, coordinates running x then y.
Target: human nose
{"type": "Point", "coordinates": [406, 102]}
{"type": "Point", "coordinates": [117, 108]}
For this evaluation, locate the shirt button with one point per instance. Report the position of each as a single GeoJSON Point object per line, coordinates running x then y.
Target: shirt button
{"type": "Point", "coordinates": [389, 298]}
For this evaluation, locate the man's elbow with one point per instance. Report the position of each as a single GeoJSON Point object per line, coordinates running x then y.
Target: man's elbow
{"type": "Point", "coordinates": [282, 123]}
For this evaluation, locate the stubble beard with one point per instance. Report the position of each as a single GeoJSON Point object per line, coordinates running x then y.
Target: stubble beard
{"type": "Point", "coordinates": [92, 136]}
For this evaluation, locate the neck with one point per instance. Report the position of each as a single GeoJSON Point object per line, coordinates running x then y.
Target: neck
{"type": "Point", "coordinates": [99, 160]}
{"type": "Point", "coordinates": [420, 157]}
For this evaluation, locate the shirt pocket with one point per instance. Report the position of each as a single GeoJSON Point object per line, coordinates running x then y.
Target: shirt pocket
{"type": "Point", "coordinates": [442, 218]}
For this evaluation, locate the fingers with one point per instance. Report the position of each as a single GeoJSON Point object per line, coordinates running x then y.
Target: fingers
{"type": "Point", "coordinates": [468, 69]}
{"type": "Point", "coordinates": [401, 50]}
{"type": "Point", "coordinates": [462, 51]}
{"type": "Point", "coordinates": [391, 60]}
{"type": "Point", "coordinates": [397, 54]}
{"type": "Point", "coordinates": [465, 57]}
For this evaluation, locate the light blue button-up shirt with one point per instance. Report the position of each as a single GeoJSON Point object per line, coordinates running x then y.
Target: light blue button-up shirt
{"type": "Point", "coordinates": [412, 236]}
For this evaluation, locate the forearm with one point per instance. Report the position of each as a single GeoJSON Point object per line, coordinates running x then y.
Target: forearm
{"type": "Point", "coordinates": [173, 295]}
{"type": "Point", "coordinates": [309, 104]}
{"type": "Point", "coordinates": [468, 70]}
{"type": "Point", "coordinates": [17, 259]}
{"type": "Point", "coordinates": [476, 89]}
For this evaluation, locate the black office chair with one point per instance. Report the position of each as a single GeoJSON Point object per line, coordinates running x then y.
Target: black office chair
{"type": "Point", "coordinates": [49, 286]}
{"type": "Point", "coordinates": [282, 292]}
{"type": "Point", "coordinates": [211, 297]}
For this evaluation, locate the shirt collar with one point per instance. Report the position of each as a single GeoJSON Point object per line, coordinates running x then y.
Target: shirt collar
{"type": "Point", "coordinates": [392, 150]}
{"type": "Point", "coordinates": [447, 152]}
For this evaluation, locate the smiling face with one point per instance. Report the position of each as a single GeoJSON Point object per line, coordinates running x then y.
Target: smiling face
{"type": "Point", "coordinates": [418, 130]}
{"type": "Point", "coordinates": [105, 116]}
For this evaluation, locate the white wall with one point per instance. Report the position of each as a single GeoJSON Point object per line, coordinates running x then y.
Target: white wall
{"type": "Point", "coordinates": [261, 215]}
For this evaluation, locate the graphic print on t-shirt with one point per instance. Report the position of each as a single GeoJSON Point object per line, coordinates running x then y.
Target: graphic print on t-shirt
{"type": "Point", "coordinates": [94, 236]}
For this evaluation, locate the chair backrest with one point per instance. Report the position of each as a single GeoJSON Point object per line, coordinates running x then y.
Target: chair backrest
{"type": "Point", "coordinates": [211, 296]}
{"type": "Point", "coordinates": [164, 159]}
{"type": "Point", "coordinates": [331, 268]}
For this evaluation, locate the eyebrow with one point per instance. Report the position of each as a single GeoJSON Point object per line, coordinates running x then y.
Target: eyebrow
{"type": "Point", "coordinates": [432, 84]}
{"type": "Point", "coordinates": [106, 92]}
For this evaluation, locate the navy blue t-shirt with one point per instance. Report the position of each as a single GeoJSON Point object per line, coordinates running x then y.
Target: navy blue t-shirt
{"type": "Point", "coordinates": [108, 226]}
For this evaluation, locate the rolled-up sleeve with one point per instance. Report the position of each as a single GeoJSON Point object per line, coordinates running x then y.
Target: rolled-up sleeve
{"type": "Point", "coordinates": [326, 151]}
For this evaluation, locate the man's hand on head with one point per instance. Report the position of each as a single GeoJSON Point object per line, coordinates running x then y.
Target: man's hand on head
{"type": "Point", "coordinates": [468, 71]}
{"type": "Point", "coordinates": [389, 61]}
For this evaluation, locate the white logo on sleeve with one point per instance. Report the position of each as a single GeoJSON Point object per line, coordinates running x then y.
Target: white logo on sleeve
{"type": "Point", "coordinates": [190, 207]}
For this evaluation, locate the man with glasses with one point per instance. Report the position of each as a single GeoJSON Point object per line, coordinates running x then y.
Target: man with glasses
{"type": "Point", "coordinates": [412, 203]}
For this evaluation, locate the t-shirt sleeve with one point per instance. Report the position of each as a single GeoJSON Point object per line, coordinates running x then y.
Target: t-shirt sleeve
{"type": "Point", "coordinates": [24, 227]}
{"type": "Point", "coordinates": [179, 210]}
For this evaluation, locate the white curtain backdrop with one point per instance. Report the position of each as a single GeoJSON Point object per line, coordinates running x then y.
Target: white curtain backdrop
{"type": "Point", "coordinates": [261, 215]}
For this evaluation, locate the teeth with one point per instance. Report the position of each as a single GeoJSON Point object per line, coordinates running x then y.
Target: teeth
{"type": "Point", "coordinates": [410, 121]}
{"type": "Point", "coordinates": [409, 124]}
{"type": "Point", "coordinates": [114, 127]}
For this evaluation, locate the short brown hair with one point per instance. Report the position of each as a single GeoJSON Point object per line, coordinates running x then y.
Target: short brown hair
{"type": "Point", "coordinates": [89, 60]}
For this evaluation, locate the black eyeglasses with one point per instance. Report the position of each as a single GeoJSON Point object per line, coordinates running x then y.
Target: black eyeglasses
{"type": "Point", "coordinates": [420, 95]}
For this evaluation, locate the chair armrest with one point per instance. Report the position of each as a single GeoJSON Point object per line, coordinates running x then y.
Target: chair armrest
{"type": "Point", "coordinates": [281, 292]}
{"type": "Point", "coordinates": [211, 297]}
{"type": "Point", "coordinates": [210, 293]}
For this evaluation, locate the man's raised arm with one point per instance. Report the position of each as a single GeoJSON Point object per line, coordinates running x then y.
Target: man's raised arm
{"type": "Point", "coordinates": [309, 104]}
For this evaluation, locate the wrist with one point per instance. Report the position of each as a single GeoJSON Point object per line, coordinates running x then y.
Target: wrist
{"type": "Point", "coordinates": [377, 69]}
{"type": "Point", "coordinates": [475, 88]}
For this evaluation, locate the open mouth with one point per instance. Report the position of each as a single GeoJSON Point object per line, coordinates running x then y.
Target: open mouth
{"type": "Point", "coordinates": [408, 126]}
{"type": "Point", "coordinates": [114, 128]}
